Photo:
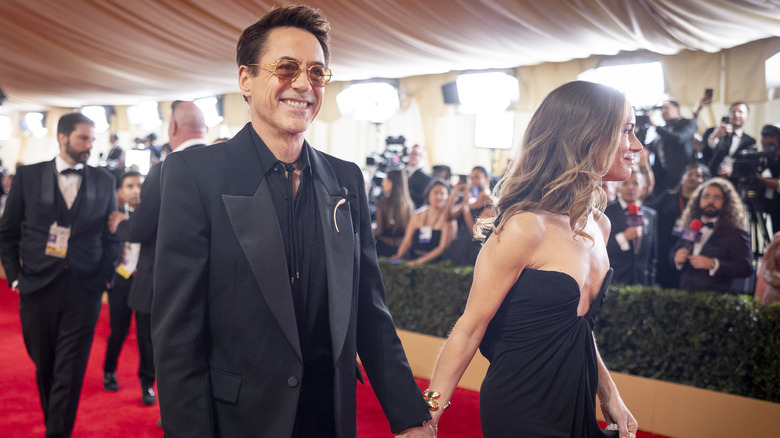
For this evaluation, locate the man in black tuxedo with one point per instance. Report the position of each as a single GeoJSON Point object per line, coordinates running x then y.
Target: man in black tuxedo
{"type": "Point", "coordinates": [128, 196]}
{"type": "Point", "coordinates": [673, 147]}
{"type": "Point", "coordinates": [55, 220]}
{"type": "Point", "coordinates": [266, 280]}
{"type": "Point", "coordinates": [632, 248]}
{"type": "Point", "coordinates": [186, 128]}
{"type": "Point", "coordinates": [721, 144]}
{"type": "Point", "coordinates": [723, 251]}
{"type": "Point", "coordinates": [418, 178]}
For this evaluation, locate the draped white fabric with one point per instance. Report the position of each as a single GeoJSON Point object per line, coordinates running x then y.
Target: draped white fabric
{"type": "Point", "coordinates": [71, 53]}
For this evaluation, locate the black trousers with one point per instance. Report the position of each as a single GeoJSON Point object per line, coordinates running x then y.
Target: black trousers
{"type": "Point", "coordinates": [58, 324]}
{"type": "Point", "coordinates": [121, 314]}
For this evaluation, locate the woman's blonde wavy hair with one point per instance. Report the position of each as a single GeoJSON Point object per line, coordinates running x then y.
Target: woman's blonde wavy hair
{"type": "Point", "coordinates": [569, 145]}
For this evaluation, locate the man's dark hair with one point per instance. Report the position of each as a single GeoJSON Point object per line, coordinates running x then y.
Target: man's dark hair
{"type": "Point", "coordinates": [739, 102]}
{"type": "Point", "coordinates": [771, 131]}
{"type": "Point", "coordinates": [675, 103]}
{"type": "Point", "coordinates": [130, 173]}
{"type": "Point", "coordinates": [68, 122]}
{"type": "Point", "coordinates": [481, 169]}
{"type": "Point", "coordinates": [733, 211]}
{"type": "Point", "coordinates": [252, 40]}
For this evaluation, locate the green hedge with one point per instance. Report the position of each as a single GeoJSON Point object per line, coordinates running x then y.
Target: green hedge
{"type": "Point", "coordinates": [720, 342]}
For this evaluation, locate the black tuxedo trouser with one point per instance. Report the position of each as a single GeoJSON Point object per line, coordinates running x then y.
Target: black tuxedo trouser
{"type": "Point", "coordinates": [58, 324]}
{"type": "Point", "coordinates": [121, 315]}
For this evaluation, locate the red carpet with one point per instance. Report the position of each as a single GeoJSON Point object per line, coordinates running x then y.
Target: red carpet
{"type": "Point", "coordinates": [121, 414]}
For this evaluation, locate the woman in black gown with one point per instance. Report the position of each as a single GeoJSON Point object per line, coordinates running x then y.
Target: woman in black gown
{"type": "Point", "coordinates": [542, 275]}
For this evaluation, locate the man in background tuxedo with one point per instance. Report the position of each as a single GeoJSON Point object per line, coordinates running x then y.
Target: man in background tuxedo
{"type": "Point", "coordinates": [632, 248]}
{"type": "Point", "coordinates": [721, 144]}
{"type": "Point", "coordinates": [186, 128]}
{"type": "Point", "coordinates": [55, 220]}
{"type": "Point", "coordinates": [418, 178]}
{"type": "Point", "coordinates": [673, 147]}
{"type": "Point", "coordinates": [722, 253]}
{"type": "Point", "coordinates": [128, 196]}
{"type": "Point", "coordinates": [266, 279]}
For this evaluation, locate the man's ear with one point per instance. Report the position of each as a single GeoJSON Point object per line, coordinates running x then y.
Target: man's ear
{"type": "Point", "coordinates": [244, 79]}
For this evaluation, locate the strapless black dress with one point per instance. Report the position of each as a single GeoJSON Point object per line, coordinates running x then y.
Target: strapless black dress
{"type": "Point", "coordinates": [543, 371]}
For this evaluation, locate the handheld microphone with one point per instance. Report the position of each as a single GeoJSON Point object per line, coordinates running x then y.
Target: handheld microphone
{"type": "Point", "coordinates": [692, 233]}
{"type": "Point", "coordinates": [633, 216]}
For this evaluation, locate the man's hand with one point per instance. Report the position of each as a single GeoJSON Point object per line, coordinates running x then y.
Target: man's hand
{"type": "Point", "coordinates": [418, 432]}
{"type": "Point", "coordinates": [114, 220]}
{"type": "Point", "coordinates": [632, 233]}
{"type": "Point", "coordinates": [701, 262]}
{"type": "Point", "coordinates": [681, 256]}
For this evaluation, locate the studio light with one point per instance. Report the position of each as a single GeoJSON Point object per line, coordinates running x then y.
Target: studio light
{"type": "Point", "coordinates": [486, 91]}
{"type": "Point", "coordinates": [372, 101]}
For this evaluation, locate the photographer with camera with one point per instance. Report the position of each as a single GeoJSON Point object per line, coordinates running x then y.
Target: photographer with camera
{"type": "Point", "coordinates": [673, 146]}
{"type": "Point", "coordinates": [770, 179]}
{"type": "Point", "coordinates": [721, 144]}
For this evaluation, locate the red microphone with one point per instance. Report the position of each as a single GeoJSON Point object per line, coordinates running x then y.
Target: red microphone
{"type": "Point", "coordinates": [633, 216]}
{"type": "Point", "coordinates": [692, 233]}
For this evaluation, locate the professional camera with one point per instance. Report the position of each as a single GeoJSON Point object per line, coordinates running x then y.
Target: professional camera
{"type": "Point", "coordinates": [394, 156]}
{"type": "Point", "coordinates": [643, 121]}
{"type": "Point", "coordinates": [746, 165]}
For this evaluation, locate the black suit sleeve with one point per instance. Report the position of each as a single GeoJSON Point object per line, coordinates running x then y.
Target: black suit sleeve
{"type": "Point", "coordinates": [142, 225]}
{"type": "Point", "coordinates": [11, 227]}
{"type": "Point", "coordinates": [111, 246]}
{"type": "Point", "coordinates": [378, 345]}
{"type": "Point", "coordinates": [179, 315]}
{"type": "Point", "coordinates": [739, 263]}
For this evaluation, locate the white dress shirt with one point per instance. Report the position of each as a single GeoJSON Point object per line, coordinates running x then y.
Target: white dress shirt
{"type": "Point", "coordinates": [69, 184]}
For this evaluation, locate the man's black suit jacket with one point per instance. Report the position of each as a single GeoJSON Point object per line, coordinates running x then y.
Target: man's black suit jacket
{"type": "Point", "coordinates": [713, 157]}
{"type": "Point", "coordinates": [30, 211]}
{"type": "Point", "coordinates": [418, 182]}
{"type": "Point", "coordinates": [141, 227]}
{"type": "Point", "coordinates": [677, 137]}
{"type": "Point", "coordinates": [226, 343]}
{"type": "Point", "coordinates": [630, 267]}
{"type": "Point", "coordinates": [731, 246]}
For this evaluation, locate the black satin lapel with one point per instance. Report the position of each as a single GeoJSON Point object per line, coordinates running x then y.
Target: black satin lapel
{"type": "Point", "coordinates": [256, 225]}
{"type": "Point", "coordinates": [339, 256]}
{"type": "Point", "coordinates": [89, 181]}
{"type": "Point", "coordinates": [48, 185]}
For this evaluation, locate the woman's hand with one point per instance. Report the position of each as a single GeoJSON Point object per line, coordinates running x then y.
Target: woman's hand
{"type": "Point", "coordinates": [616, 414]}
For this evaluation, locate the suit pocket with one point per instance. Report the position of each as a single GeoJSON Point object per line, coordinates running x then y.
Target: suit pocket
{"type": "Point", "coordinates": [225, 386]}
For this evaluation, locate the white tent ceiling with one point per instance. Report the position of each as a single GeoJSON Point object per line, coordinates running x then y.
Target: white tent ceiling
{"type": "Point", "coordinates": [72, 53]}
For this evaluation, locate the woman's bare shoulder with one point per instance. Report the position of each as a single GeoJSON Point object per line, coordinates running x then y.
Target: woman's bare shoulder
{"type": "Point", "coordinates": [527, 227]}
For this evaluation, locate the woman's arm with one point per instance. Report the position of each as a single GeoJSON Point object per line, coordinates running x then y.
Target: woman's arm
{"type": "Point", "coordinates": [406, 244]}
{"type": "Point", "coordinates": [447, 234]}
{"type": "Point", "coordinates": [612, 406]}
{"type": "Point", "coordinates": [498, 266]}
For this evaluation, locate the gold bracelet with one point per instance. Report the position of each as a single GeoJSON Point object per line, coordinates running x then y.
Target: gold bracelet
{"type": "Point", "coordinates": [431, 397]}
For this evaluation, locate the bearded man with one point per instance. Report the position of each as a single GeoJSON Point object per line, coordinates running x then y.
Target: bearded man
{"type": "Point", "coordinates": [722, 251]}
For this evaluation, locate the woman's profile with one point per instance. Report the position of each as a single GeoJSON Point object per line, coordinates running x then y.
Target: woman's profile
{"type": "Point", "coordinates": [542, 275]}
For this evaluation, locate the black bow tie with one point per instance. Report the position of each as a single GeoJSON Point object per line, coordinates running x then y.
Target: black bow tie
{"type": "Point", "coordinates": [710, 225]}
{"type": "Point", "coordinates": [72, 170]}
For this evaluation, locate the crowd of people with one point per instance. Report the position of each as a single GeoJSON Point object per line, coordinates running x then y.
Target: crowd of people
{"type": "Point", "coordinates": [251, 264]}
{"type": "Point", "coordinates": [647, 210]}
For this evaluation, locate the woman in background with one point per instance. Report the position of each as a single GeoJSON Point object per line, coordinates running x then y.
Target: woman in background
{"type": "Point", "coordinates": [543, 274]}
{"type": "Point", "coordinates": [430, 231]}
{"type": "Point", "coordinates": [393, 211]}
{"type": "Point", "coordinates": [465, 206]}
